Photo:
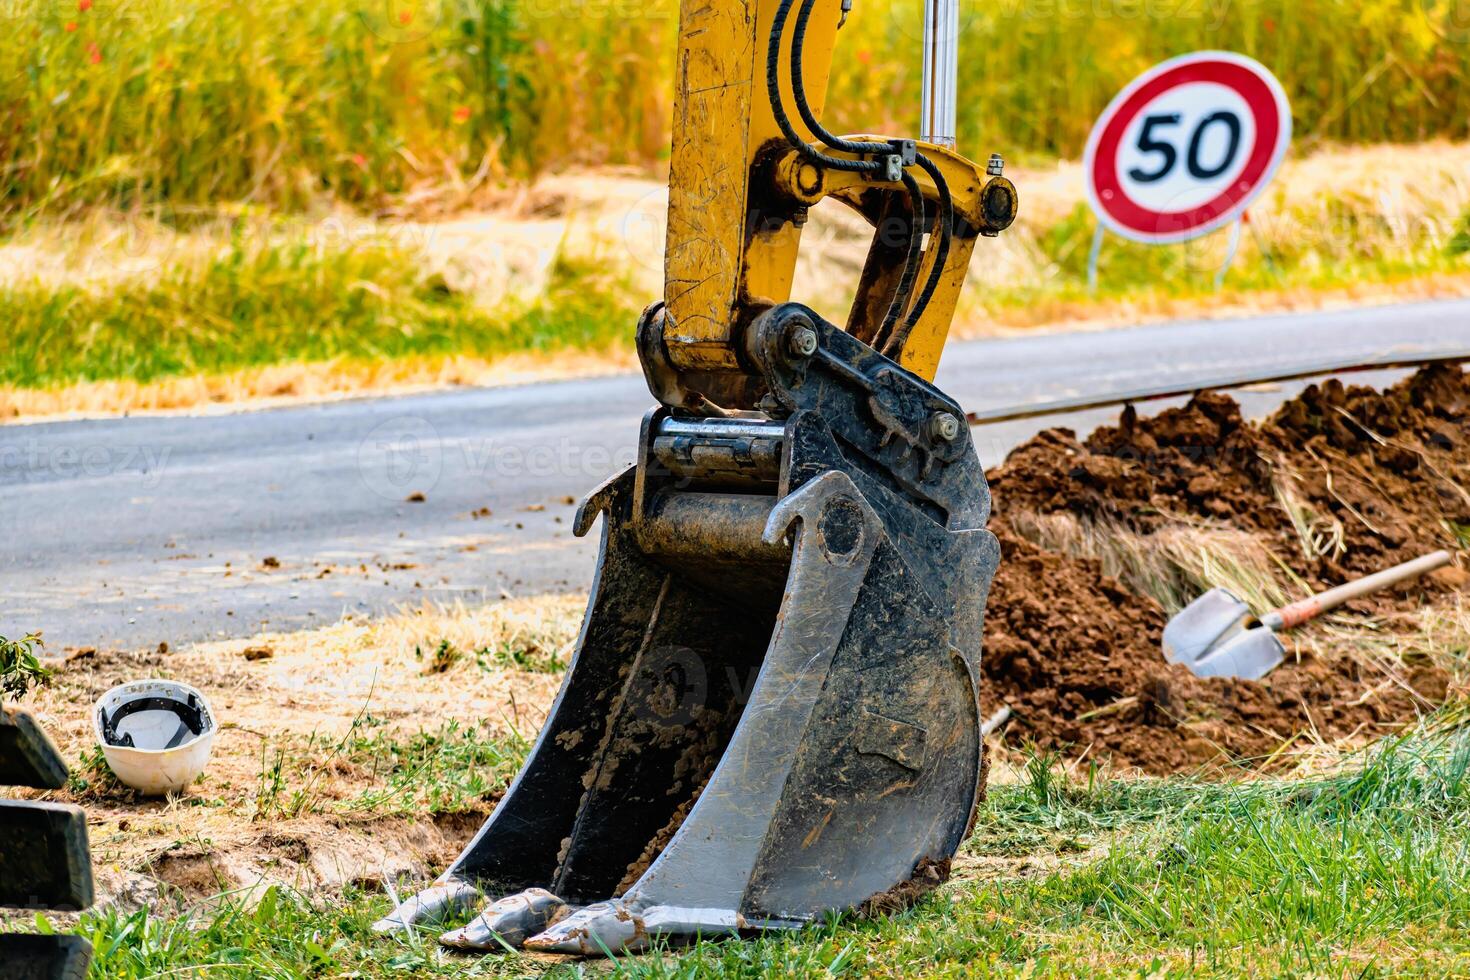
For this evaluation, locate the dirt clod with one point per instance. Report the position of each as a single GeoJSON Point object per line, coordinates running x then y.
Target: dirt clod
{"type": "Point", "coordinates": [928, 876]}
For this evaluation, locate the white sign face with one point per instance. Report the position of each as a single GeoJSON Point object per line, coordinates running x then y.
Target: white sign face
{"type": "Point", "coordinates": [1187, 147]}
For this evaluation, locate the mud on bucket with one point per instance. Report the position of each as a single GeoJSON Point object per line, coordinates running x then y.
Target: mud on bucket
{"type": "Point", "coordinates": [156, 735]}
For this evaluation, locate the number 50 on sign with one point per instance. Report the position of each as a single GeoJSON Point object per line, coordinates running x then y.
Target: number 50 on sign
{"type": "Point", "coordinates": [1187, 147]}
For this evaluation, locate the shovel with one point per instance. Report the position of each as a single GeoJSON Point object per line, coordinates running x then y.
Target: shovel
{"type": "Point", "coordinates": [1217, 635]}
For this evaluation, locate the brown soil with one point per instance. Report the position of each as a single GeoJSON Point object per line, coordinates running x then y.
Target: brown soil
{"type": "Point", "coordinates": [1391, 467]}
{"type": "Point", "coordinates": [1077, 656]}
{"type": "Point", "coordinates": [927, 877]}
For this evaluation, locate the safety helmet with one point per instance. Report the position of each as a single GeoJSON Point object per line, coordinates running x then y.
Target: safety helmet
{"type": "Point", "coordinates": [156, 735]}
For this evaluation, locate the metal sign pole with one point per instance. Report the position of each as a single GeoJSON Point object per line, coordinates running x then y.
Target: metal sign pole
{"type": "Point", "coordinates": [1264, 247]}
{"type": "Point", "coordinates": [1093, 256]}
{"type": "Point", "coordinates": [1230, 253]}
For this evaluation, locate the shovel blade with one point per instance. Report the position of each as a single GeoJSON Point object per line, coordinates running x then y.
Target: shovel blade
{"type": "Point", "coordinates": [1249, 656]}
{"type": "Point", "coordinates": [1203, 625]}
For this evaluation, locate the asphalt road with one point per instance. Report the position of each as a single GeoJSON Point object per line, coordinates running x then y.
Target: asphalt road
{"type": "Point", "coordinates": [131, 532]}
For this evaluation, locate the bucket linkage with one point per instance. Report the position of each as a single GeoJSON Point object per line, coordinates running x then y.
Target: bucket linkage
{"type": "Point", "coordinates": [773, 709]}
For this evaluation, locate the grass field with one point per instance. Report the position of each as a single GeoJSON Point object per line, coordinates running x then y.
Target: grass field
{"type": "Point", "coordinates": [126, 103]}
{"type": "Point", "coordinates": [1360, 873]}
{"type": "Point", "coordinates": [104, 315]}
{"type": "Point", "coordinates": [246, 308]}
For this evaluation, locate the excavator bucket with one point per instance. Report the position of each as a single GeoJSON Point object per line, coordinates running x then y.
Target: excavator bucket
{"type": "Point", "coordinates": [772, 711]}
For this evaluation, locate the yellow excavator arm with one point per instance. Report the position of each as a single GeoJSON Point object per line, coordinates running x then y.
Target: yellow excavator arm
{"type": "Point", "coordinates": [773, 709]}
{"type": "Point", "coordinates": [740, 188]}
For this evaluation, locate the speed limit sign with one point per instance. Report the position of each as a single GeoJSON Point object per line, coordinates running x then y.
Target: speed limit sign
{"type": "Point", "coordinates": [1187, 147]}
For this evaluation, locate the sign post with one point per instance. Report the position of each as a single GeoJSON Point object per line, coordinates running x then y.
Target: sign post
{"type": "Point", "coordinates": [1185, 149]}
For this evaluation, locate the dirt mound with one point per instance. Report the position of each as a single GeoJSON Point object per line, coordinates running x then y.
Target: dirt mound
{"type": "Point", "coordinates": [1371, 477]}
{"type": "Point", "coordinates": [1379, 477]}
{"type": "Point", "coordinates": [1077, 658]}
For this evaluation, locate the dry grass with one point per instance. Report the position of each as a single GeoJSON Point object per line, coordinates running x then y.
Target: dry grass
{"type": "Point", "coordinates": [1334, 214]}
{"type": "Point", "coordinates": [1173, 566]}
{"type": "Point", "coordinates": [130, 103]}
{"type": "Point", "coordinates": [288, 384]}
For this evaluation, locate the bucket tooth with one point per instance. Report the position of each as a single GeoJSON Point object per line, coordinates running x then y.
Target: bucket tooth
{"type": "Point", "coordinates": [442, 899]}
{"type": "Point", "coordinates": [506, 924]}
{"type": "Point", "coordinates": [598, 929]}
{"type": "Point", "coordinates": [622, 926]}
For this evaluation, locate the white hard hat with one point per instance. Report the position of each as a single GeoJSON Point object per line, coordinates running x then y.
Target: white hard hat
{"type": "Point", "coordinates": [155, 735]}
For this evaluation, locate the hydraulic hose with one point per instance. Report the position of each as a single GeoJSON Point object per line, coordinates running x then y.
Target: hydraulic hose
{"type": "Point", "coordinates": [910, 266]}
{"type": "Point", "coordinates": [889, 339]}
{"type": "Point", "coordinates": [798, 90]}
{"type": "Point", "coordinates": [773, 89]}
{"type": "Point", "coordinates": [916, 235]}
{"type": "Point", "coordinates": [945, 228]}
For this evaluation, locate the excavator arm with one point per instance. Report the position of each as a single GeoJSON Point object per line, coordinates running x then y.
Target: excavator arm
{"type": "Point", "coordinates": [746, 167]}
{"type": "Point", "coordinates": [773, 708]}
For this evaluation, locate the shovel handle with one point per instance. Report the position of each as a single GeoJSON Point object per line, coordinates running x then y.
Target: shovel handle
{"type": "Point", "coordinates": [1310, 608]}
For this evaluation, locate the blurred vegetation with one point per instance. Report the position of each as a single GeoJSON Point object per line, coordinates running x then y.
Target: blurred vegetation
{"type": "Point", "coordinates": [283, 102]}
{"type": "Point", "coordinates": [252, 306]}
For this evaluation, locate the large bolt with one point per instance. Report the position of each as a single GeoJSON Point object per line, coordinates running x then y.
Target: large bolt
{"type": "Point", "coordinates": [801, 339]}
{"type": "Point", "coordinates": [997, 166]}
{"type": "Point", "coordinates": [944, 427]}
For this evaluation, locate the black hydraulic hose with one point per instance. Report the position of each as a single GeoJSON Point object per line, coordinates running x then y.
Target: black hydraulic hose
{"type": "Point", "coordinates": [916, 235]}
{"type": "Point", "coordinates": [944, 229]}
{"type": "Point", "coordinates": [910, 266]}
{"type": "Point", "coordinates": [893, 344]}
{"type": "Point", "coordinates": [773, 89]}
{"type": "Point", "coordinates": [798, 90]}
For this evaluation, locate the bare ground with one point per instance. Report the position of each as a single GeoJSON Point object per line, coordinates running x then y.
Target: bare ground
{"type": "Point", "coordinates": [309, 701]}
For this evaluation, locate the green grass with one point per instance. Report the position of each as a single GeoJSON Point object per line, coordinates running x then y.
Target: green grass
{"type": "Point", "coordinates": [1362, 874]}
{"type": "Point", "coordinates": [276, 304]}
{"type": "Point", "coordinates": [445, 771]}
{"type": "Point", "coordinates": [448, 770]}
{"type": "Point", "coordinates": [284, 102]}
{"type": "Point", "coordinates": [518, 653]}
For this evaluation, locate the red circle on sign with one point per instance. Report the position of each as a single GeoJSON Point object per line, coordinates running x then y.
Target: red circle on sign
{"type": "Point", "coordinates": [1264, 98]}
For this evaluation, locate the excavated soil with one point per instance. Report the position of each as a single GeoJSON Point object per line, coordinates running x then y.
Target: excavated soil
{"type": "Point", "coordinates": [1077, 656]}
{"type": "Point", "coordinates": [1391, 467]}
